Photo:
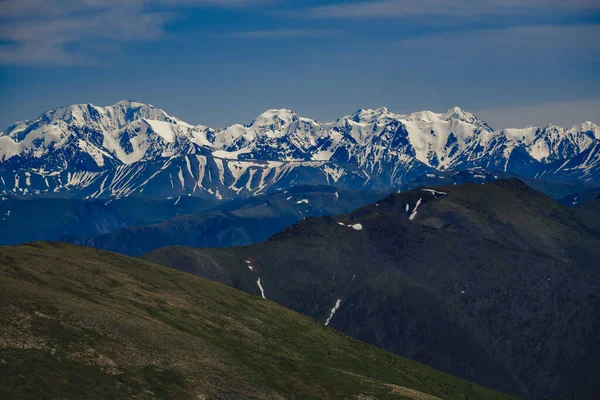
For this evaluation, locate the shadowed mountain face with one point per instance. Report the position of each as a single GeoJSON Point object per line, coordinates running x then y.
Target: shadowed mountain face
{"type": "Point", "coordinates": [82, 323]}
{"type": "Point", "coordinates": [135, 225]}
{"type": "Point", "coordinates": [590, 213]}
{"type": "Point", "coordinates": [495, 283]}
{"type": "Point", "coordinates": [237, 223]}
{"type": "Point", "coordinates": [23, 220]}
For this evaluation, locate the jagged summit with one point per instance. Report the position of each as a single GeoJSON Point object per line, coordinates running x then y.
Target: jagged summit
{"type": "Point", "coordinates": [588, 126]}
{"type": "Point", "coordinates": [376, 147]}
{"type": "Point", "coordinates": [282, 116]}
{"type": "Point", "coordinates": [461, 115]}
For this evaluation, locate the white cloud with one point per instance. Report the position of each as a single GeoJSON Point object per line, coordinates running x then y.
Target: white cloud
{"type": "Point", "coordinates": [580, 41]}
{"type": "Point", "coordinates": [64, 31]}
{"type": "Point", "coordinates": [563, 113]}
{"type": "Point", "coordinates": [281, 33]}
{"type": "Point", "coordinates": [459, 8]}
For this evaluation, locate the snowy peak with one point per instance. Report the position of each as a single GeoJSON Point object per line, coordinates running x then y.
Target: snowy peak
{"type": "Point", "coordinates": [275, 119]}
{"type": "Point", "coordinates": [276, 134]}
{"type": "Point", "coordinates": [368, 115]}
{"type": "Point", "coordinates": [461, 115]}
{"type": "Point", "coordinates": [98, 136]}
{"type": "Point", "coordinates": [552, 142]}
{"type": "Point", "coordinates": [115, 116]}
{"type": "Point", "coordinates": [87, 145]}
{"type": "Point", "coordinates": [587, 127]}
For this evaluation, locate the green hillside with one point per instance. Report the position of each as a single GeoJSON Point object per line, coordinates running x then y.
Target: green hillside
{"type": "Point", "coordinates": [83, 323]}
{"type": "Point", "coordinates": [495, 283]}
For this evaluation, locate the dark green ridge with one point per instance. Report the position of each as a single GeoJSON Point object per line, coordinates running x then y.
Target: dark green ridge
{"type": "Point", "coordinates": [84, 323]}
{"type": "Point", "coordinates": [496, 283]}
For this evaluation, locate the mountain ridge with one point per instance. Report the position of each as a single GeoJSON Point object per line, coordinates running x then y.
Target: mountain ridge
{"type": "Point", "coordinates": [499, 268]}
{"type": "Point", "coordinates": [89, 151]}
{"type": "Point", "coordinates": [91, 324]}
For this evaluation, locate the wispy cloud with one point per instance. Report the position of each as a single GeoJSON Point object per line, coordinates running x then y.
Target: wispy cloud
{"type": "Point", "coordinates": [67, 31]}
{"type": "Point", "coordinates": [580, 39]}
{"type": "Point", "coordinates": [281, 33]}
{"type": "Point", "coordinates": [458, 8]}
{"type": "Point", "coordinates": [565, 113]}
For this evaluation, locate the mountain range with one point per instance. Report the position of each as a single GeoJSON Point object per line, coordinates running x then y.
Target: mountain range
{"type": "Point", "coordinates": [429, 235]}
{"type": "Point", "coordinates": [132, 148]}
{"type": "Point", "coordinates": [495, 283]}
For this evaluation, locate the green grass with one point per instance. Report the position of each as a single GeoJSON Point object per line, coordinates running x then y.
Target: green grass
{"type": "Point", "coordinates": [82, 323]}
{"type": "Point", "coordinates": [494, 283]}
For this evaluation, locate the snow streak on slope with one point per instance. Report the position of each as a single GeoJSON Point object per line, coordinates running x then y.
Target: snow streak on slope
{"type": "Point", "coordinates": [262, 291]}
{"type": "Point", "coordinates": [414, 212]}
{"type": "Point", "coordinates": [333, 310]}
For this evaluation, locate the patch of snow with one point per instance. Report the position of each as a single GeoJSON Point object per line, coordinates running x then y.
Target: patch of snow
{"type": "Point", "coordinates": [357, 227]}
{"type": "Point", "coordinates": [323, 155]}
{"type": "Point", "coordinates": [162, 129]}
{"type": "Point", "coordinates": [333, 172]}
{"type": "Point", "coordinates": [230, 155]}
{"type": "Point", "coordinates": [435, 192]}
{"type": "Point", "coordinates": [333, 310]}
{"type": "Point", "coordinates": [414, 212]}
{"type": "Point", "coordinates": [305, 201]}
{"type": "Point", "coordinates": [181, 180]}
{"type": "Point", "coordinates": [262, 291]}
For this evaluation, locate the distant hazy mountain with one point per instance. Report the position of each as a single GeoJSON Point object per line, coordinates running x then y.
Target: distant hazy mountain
{"type": "Point", "coordinates": [237, 223]}
{"type": "Point", "coordinates": [29, 219]}
{"type": "Point", "coordinates": [129, 148]}
{"type": "Point", "coordinates": [496, 283]}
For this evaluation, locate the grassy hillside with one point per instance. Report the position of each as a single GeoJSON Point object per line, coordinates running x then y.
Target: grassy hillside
{"type": "Point", "coordinates": [495, 283]}
{"type": "Point", "coordinates": [83, 323]}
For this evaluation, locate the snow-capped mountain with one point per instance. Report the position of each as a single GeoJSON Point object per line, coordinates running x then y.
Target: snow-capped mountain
{"type": "Point", "coordinates": [87, 137]}
{"type": "Point", "coordinates": [134, 148]}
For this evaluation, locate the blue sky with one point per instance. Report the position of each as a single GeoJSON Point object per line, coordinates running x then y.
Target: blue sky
{"type": "Point", "coordinates": [218, 62]}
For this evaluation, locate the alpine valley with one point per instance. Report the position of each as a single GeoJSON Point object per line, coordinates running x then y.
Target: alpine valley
{"type": "Point", "coordinates": [132, 148]}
